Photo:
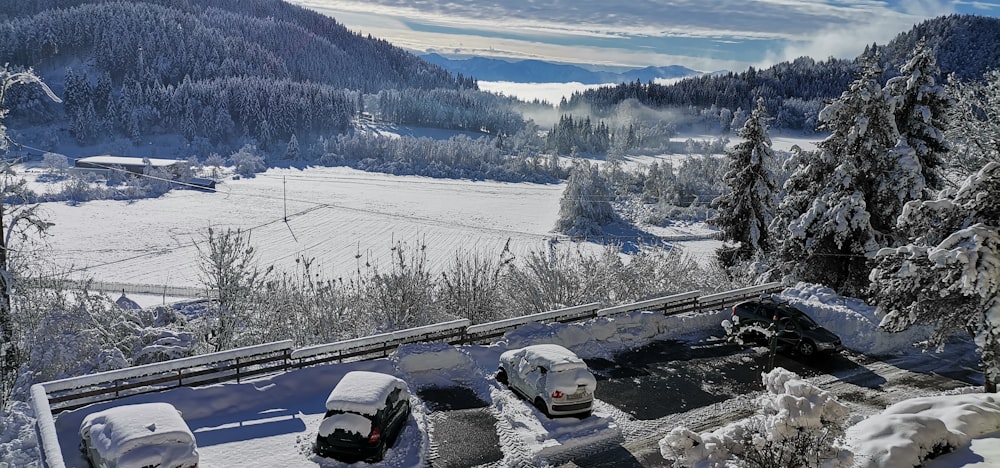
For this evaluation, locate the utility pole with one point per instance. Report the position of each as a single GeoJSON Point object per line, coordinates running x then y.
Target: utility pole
{"type": "Point", "coordinates": [284, 196]}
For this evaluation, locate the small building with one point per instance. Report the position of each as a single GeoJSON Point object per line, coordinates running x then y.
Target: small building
{"type": "Point", "coordinates": [202, 183]}
{"type": "Point", "coordinates": [103, 164]}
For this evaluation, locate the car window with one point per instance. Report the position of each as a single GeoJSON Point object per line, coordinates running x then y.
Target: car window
{"type": "Point", "coordinates": [806, 323]}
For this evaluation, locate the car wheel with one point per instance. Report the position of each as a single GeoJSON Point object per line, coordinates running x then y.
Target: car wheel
{"type": "Point", "coordinates": [806, 348]}
{"type": "Point", "coordinates": [502, 376]}
{"type": "Point", "coordinates": [540, 404]}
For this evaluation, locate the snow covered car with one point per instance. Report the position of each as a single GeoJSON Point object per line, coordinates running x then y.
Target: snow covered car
{"type": "Point", "coordinates": [550, 376]}
{"type": "Point", "coordinates": [142, 435]}
{"type": "Point", "coordinates": [753, 320]}
{"type": "Point", "coordinates": [365, 413]}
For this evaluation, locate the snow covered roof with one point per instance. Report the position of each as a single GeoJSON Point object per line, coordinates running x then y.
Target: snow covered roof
{"type": "Point", "coordinates": [553, 357]}
{"type": "Point", "coordinates": [364, 392]}
{"type": "Point", "coordinates": [140, 435]}
{"type": "Point", "coordinates": [108, 160]}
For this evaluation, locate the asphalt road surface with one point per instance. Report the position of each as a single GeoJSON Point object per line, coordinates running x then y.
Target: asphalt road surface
{"type": "Point", "coordinates": [703, 386]}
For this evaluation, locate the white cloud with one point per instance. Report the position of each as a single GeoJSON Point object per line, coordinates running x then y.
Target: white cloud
{"type": "Point", "coordinates": [846, 41]}
{"type": "Point", "coordinates": [598, 31]}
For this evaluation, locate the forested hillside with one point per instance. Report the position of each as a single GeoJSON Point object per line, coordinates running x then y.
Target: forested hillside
{"type": "Point", "coordinates": [793, 92]}
{"type": "Point", "coordinates": [215, 70]}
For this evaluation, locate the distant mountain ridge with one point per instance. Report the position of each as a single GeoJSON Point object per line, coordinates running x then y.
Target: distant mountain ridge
{"type": "Point", "coordinates": [796, 90]}
{"type": "Point", "coordinates": [538, 71]}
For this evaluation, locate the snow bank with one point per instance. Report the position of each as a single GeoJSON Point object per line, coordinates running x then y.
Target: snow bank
{"type": "Point", "coordinates": [18, 445]}
{"type": "Point", "coordinates": [909, 432]}
{"type": "Point", "coordinates": [603, 337]}
{"type": "Point", "coordinates": [852, 319]}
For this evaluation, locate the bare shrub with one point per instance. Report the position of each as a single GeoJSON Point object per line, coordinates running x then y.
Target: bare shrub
{"type": "Point", "coordinates": [472, 285]}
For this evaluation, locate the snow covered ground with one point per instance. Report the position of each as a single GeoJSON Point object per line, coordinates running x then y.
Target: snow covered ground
{"type": "Point", "coordinates": [342, 217]}
{"type": "Point", "coordinates": [333, 215]}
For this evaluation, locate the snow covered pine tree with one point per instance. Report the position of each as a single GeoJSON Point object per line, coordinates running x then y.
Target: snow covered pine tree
{"type": "Point", "coordinates": [949, 275]}
{"type": "Point", "coordinates": [843, 199]}
{"type": "Point", "coordinates": [745, 213]}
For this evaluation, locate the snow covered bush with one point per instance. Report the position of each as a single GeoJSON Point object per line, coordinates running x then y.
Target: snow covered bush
{"type": "Point", "coordinates": [585, 207]}
{"type": "Point", "coordinates": [472, 285]}
{"type": "Point", "coordinates": [55, 164]}
{"type": "Point", "coordinates": [247, 161]}
{"type": "Point", "coordinates": [798, 425]}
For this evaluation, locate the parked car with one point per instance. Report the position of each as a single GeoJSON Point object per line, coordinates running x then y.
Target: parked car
{"type": "Point", "coordinates": [550, 376]}
{"type": "Point", "coordinates": [142, 435]}
{"type": "Point", "coordinates": [365, 413]}
{"type": "Point", "coordinates": [753, 320]}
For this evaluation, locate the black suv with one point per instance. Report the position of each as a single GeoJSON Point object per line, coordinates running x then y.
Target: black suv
{"type": "Point", "coordinates": [365, 414]}
{"type": "Point", "coordinates": [755, 320]}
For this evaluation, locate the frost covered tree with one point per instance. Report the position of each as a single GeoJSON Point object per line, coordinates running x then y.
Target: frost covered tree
{"type": "Point", "coordinates": [247, 161]}
{"type": "Point", "coordinates": [921, 105]}
{"type": "Point", "coordinates": [18, 219]}
{"type": "Point", "coordinates": [842, 200]}
{"type": "Point", "coordinates": [55, 164]}
{"type": "Point", "coordinates": [292, 149]}
{"type": "Point", "coordinates": [798, 425]}
{"type": "Point", "coordinates": [949, 275]}
{"type": "Point", "coordinates": [585, 207]}
{"type": "Point", "coordinates": [746, 211]}
{"type": "Point", "coordinates": [975, 119]}
{"type": "Point", "coordinates": [228, 264]}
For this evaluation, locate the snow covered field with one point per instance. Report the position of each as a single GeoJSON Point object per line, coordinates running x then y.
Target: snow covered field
{"type": "Point", "coordinates": [333, 215]}
{"type": "Point", "coordinates": [342, 217]}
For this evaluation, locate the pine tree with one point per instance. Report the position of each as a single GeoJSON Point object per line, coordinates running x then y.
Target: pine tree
{"type": "Point", "coordinates": [921, 106]}
{"type": "Point", "coordinates": [975, 119]}
{"type": "Point", "coordinates": [949, 275]}
{"type": "Point", "coordinates": [292, 149]}
{"type": "Point", "coordinates": [745, 213]}
{"type": "Point", "coordinates": [843, 199]}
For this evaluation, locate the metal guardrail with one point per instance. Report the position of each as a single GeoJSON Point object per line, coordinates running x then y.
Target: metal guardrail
{"type": "Point", "coordinates": [485, 331]}
{"type": "Point", "coordinates": [377, 345]}
{"type": "Point", "coordinates": [61, 395]}
{"type": "Point", "coordinates": [205, 369]}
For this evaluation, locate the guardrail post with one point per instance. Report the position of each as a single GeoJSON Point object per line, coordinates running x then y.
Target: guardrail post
{"type": "Point", "coordinates": [180, 378]}
{"type": "Point", "coordinates": [237, 370]}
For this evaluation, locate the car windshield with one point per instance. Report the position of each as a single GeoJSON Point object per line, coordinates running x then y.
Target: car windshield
{"type": "Point", "coordinates": [805, 322]}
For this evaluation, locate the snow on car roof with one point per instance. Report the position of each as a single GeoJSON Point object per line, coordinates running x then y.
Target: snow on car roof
{"type": "Point", "coordinates": [363, 392]}
{"type": "Point", "coordinates": [553, 357]}
{"type": "Point", "coordinates": [117, 431]}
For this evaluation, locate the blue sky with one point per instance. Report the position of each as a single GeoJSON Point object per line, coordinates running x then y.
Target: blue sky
{"type": "Point", "coordinates": [705, 35]}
